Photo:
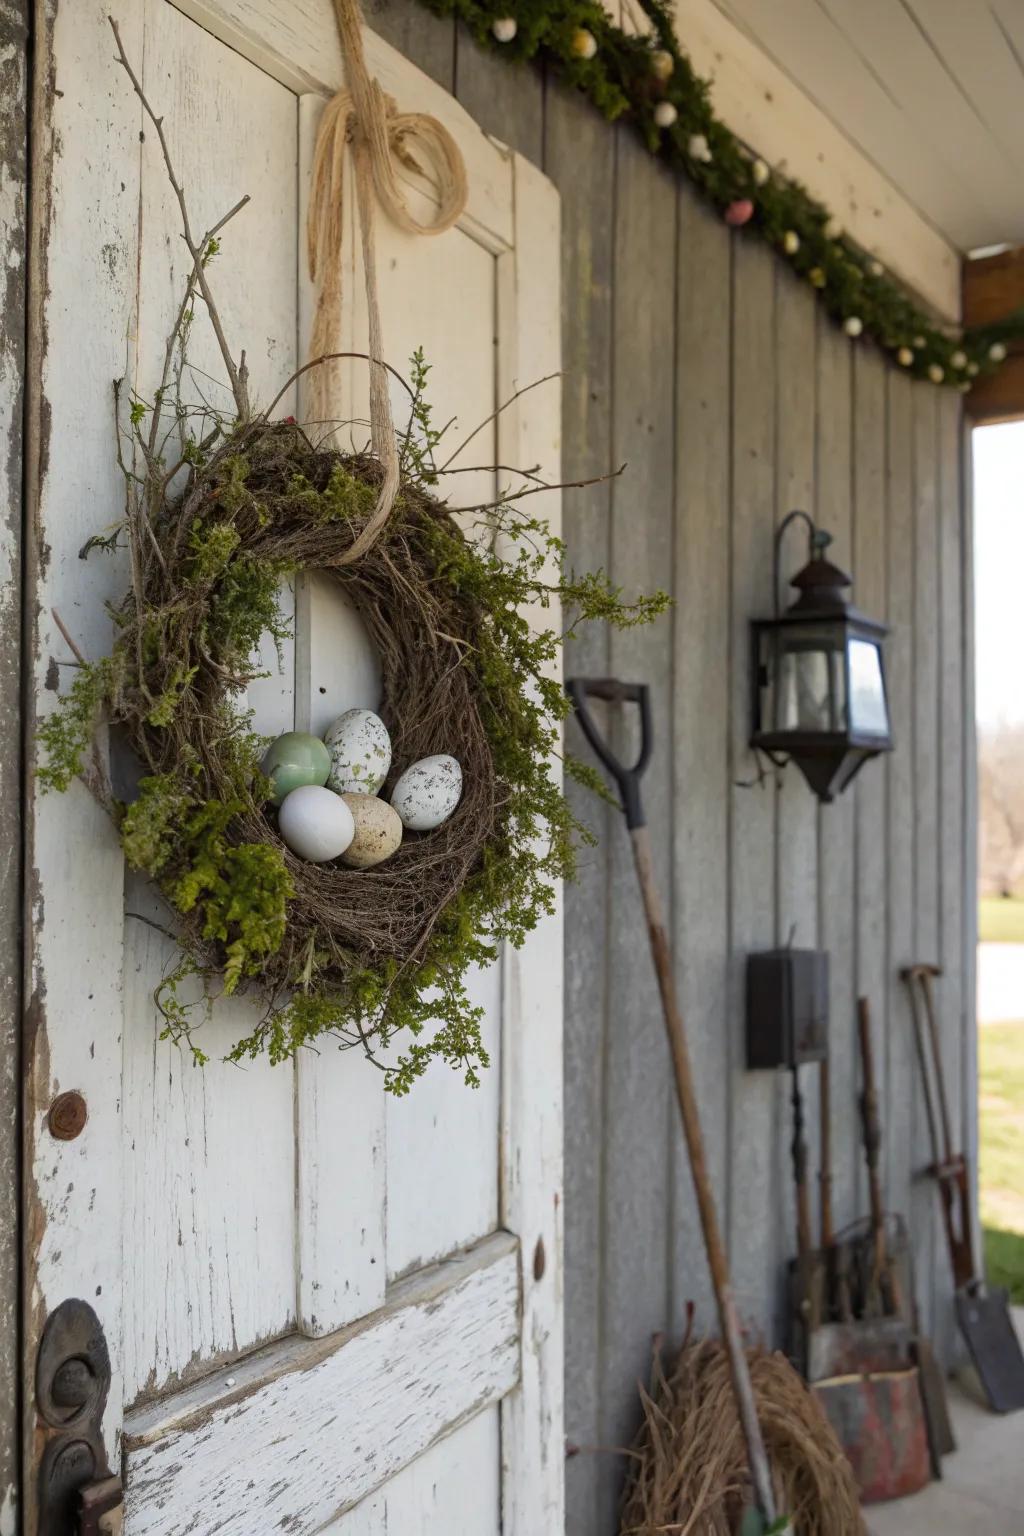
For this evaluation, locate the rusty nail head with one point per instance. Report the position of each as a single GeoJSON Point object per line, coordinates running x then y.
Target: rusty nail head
{"type": "Point", "coordinates": [67, 1117]}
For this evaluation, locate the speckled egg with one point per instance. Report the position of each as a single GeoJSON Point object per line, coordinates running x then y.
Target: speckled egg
{"type": "Point", "coordinates": [378, 831]}
{"type": "Point", "coordinates": [360, 750]}
{"type": "Point", "coordinates": [316, 823]}
{"type": "Point", "coordinates": [294, 759]}
{"type": "Point", "coordinates": [428, 792]}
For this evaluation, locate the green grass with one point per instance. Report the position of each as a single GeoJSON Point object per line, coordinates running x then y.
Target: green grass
{"type": "Point", "coordinates": [1001, 920]}
{"type": "Point", "coordinates": [1001, 1089]}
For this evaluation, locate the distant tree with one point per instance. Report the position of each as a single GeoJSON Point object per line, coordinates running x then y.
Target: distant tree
{"type": "Point", "coordinates": [1001, 810]}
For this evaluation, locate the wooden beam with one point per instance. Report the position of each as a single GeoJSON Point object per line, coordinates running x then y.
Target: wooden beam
{"type": "Point", "coordinates": [993, 287]}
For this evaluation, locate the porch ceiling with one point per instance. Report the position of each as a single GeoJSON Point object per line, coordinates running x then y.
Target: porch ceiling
{"type": "Point", "coordinates": [931, 91]}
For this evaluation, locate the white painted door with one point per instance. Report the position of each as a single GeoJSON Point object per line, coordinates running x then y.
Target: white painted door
{"type": "Point", "coordinates": [325, 1309]}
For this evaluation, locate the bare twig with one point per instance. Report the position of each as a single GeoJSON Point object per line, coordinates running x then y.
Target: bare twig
{"type": "Point", "coordinates": [237, 372]}
{"type": "Point", "coordinates": [496, 413]}
{"type": "Point", "coordinates": [72, 647]}
{"type": "Point", "coordinates": [535, 490]}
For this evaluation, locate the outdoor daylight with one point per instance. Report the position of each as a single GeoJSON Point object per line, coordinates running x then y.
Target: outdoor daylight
{"type": "Point", "coordinates": [512, 751]}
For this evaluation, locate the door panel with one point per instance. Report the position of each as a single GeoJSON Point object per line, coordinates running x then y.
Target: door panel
{"type": "Point", "coordinates": [313, 1295]}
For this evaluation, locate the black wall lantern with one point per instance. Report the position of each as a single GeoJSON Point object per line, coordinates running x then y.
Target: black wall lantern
{"type": "Point", "coordinates": [819, 675]}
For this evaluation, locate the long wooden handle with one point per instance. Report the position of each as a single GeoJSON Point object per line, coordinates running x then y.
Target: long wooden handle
{"type": "Point", "coordinates": [728, 1320]}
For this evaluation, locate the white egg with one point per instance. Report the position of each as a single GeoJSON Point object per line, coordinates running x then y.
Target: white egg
{"type": "Point", "coordinates": [315, 823]}
{"type": "Point", "coordinates": [360, 749]}
{"type": "Point", "coordinates": [428, 792]}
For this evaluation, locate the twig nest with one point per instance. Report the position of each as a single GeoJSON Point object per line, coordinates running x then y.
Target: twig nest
{"type": "Point", "coordinates": [504, 28]}
{"type": "Point", "coordinates": [584, 43]}
{"type": "Point", "coordinates": [360, 752]}
{"type": "Point", "coordinates": [293, 760]}
{"type": "Point", "coordinates": [739, 212]}
{"type": "Point", "coordinates": [428, 792]}
{"type": "Point", "coordinates": [378, 831]}
{"type": "Point", "coordinates": [316, 823]}
{"type": "Point", "coordinates": [665, 114]}
{"type": "Point", "coordinates": [662, 64]}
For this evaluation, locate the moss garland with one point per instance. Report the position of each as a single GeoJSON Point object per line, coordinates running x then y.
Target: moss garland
{"type": "Point", "coordinates": [650, 82]}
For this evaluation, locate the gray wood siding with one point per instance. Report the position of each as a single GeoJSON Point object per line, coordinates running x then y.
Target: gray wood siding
{"type": "Point", "coordinates": [693, 354]}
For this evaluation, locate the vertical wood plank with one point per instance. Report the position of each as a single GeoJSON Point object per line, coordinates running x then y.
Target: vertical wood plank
{"type": "Point", "coordinates": [953, 892]}
{"type": "Point", "coordinates": [73, 905]}
{"type": "Point", "coordinates": [837, 930]}
{"type": "Point", "coordinates": [532, 1415]}
{"type": "Point", "coordinates": [426, 39]}
{"type": "Point", "coordinates": [506, 100]}
{"type": "Point", "coordinates": [902, 1070]}
{"type": "Point", "coordinates": [14, 137]}
{"type": "Point", "coordinates": [751, 1127]}
{"type": "Point", "coordinates": [637, 1104]}
{"type": "Point", "coordinates": [580, 157]}
{"type": "Point", "coordinates": [924, 1201]}
{"type": "Point", "coordinates": [701, 720]}
{"type": "Point", "coordinates": [796, 808]}
{"type": "Point", "coordinates": [871, 594]}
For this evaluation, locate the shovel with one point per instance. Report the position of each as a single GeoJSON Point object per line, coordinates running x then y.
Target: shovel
{"type": "Point", "coordinates": [580, 690]}
{"type": "Point", "coordinates": [982, 1314]}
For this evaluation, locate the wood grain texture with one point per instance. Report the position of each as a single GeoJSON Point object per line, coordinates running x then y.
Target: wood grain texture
{"type": "Point", "coordinates": [798, 425]}
{"type": "Point", "coordinates": [753, 1172]}
{"type": "Point", "coordinates": [453, 1487]}
{"type": "Point", "coordinates": [580, 157]}
{"type": "Point", "coordinates": [532, 1415]}
{"type": "Point", "coordinates": [902, 1070]}
{"type": "Point", "coordinates": [418, 34]}
{"type": "Point", "coordinates": [508, 103]}
{"type": "Point", "coordinates": [73, 911]}
{"type": "Point", "coordinates": [700, 723]}
{"type": "Point", "coordinates": [314, 1425]}
{"type": "Point", "coordinates": [638, 1110]}
{"type": "Point", "coordinates": [924, 1200]}
{"type": "Point", "coordinates": [870, 592]}
{"type": "Point", "coordinates": [836, 846]}
{"type": "Point", "coordinates": [14, 138]}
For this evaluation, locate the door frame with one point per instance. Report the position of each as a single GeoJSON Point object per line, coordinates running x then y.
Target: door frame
{"type": "Point", "coordinates": [73, 980]}
{"type": "Point", "coordinates": [15, 137]}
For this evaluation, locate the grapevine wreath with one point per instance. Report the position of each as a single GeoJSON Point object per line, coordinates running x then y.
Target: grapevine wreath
{"type": "Point", "coordinates": [214, 525]}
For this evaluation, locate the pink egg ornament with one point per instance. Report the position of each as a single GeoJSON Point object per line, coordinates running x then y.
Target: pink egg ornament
{"type": "Point", "coordinates": [739, 212]}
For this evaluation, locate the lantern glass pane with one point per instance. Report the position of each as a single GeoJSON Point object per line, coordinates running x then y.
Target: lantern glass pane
{"type": "Point", "coordinates": [811, 687]}
{"type": "Point", "coordinates": [868, 713]}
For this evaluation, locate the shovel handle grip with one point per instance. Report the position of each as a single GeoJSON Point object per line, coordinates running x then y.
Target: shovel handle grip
{"type": "Point", "coordinates": [611, 691]}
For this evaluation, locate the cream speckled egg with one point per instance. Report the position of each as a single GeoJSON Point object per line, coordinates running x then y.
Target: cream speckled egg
{"type": "Point", "coordinates": [315, 823]}
{"type": "Point", "coordinates": [378, 831]}
{"type": "Point", "coordinates": [428, 792]}
{"type": "Point", "coordinates": [360, 749]}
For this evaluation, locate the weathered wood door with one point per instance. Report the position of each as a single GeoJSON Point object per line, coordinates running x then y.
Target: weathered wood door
{"type": "Point", "coordinates": [325, 1309]}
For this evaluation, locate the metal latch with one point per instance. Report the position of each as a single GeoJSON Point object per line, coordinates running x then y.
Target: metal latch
{"type": "Point", "coordinates": [78, 1496]}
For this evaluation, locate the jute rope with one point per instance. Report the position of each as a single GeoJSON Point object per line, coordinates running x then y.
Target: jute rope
{"type": "Point", "coordinates": [361, 115]}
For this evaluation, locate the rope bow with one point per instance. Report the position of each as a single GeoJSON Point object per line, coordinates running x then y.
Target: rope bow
{"type": "Point", "coordinates": [381, 138]}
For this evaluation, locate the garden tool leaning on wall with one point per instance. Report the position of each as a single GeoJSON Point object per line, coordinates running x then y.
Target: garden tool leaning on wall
{"type": "Point", "coordinates": [982, 1313]}
{"type": "Point", "coordinates": [609, 690]}
{"type": "Point", "coordinates": [857, 1340]}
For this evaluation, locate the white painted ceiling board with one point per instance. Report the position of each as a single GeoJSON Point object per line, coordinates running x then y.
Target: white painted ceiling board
{"type": "Point", "coordinates": [930, 91]}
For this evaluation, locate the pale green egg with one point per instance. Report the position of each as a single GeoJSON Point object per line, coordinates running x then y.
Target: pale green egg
{"type": "Point", "coordinates": [295, 759]}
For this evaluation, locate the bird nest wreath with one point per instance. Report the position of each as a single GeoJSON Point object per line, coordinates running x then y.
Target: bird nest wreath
{"type": "Point", "coordinates": [356, 954]}
{"type": "Point", "coordinates": [220, 513]}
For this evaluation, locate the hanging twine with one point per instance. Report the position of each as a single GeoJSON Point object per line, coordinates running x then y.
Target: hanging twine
{"type": "Point", "coordinates": [361, 115]}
